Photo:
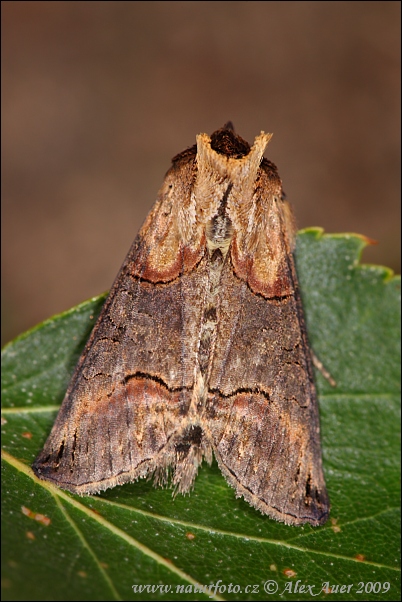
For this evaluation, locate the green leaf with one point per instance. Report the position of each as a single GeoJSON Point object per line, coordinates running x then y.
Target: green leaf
{"type": "Point", "coordinates": [99, 547]}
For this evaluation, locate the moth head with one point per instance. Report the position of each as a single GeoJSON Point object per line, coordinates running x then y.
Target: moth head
{"type": "Point", "coordinates": [230, 156]}
{"type": "Point", "coordinates": [220, 166]}
{"type": "Point", "coordinates": [227, 162]}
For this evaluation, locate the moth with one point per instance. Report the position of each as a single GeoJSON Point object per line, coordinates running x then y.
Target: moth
{"type": "Point", "coordinates": [201, 348]}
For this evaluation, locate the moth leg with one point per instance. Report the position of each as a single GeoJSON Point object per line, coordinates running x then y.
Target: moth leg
{"type": "Point", "coordinates": [320, 366]}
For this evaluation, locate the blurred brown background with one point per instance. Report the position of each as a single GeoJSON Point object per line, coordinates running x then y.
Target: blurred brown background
{"type": "Point", "coordinates": [98, 96]}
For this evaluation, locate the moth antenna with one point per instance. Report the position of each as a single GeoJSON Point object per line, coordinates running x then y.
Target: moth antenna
{"type": "Point", "coordinates": [229, 126]}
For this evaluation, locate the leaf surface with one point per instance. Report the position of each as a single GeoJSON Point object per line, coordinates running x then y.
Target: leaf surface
{"type": "Point", "coordinates": [59, 546]}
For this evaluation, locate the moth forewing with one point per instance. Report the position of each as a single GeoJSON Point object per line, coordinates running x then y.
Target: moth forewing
{"type": "Point", "coordinates": [201, 347]}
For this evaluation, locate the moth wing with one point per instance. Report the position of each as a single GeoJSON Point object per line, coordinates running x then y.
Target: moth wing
{"type": "Point", "coordinates": [127, 398]}
{"type": "Point", "coordinates": [262, 412]}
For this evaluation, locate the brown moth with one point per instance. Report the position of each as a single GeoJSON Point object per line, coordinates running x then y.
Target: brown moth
{"type": "Point", "coordinates": [201, 348]}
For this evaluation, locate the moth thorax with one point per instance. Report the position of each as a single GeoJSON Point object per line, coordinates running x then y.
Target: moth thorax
{"type": "Point", "coordinates": [219, 232]}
